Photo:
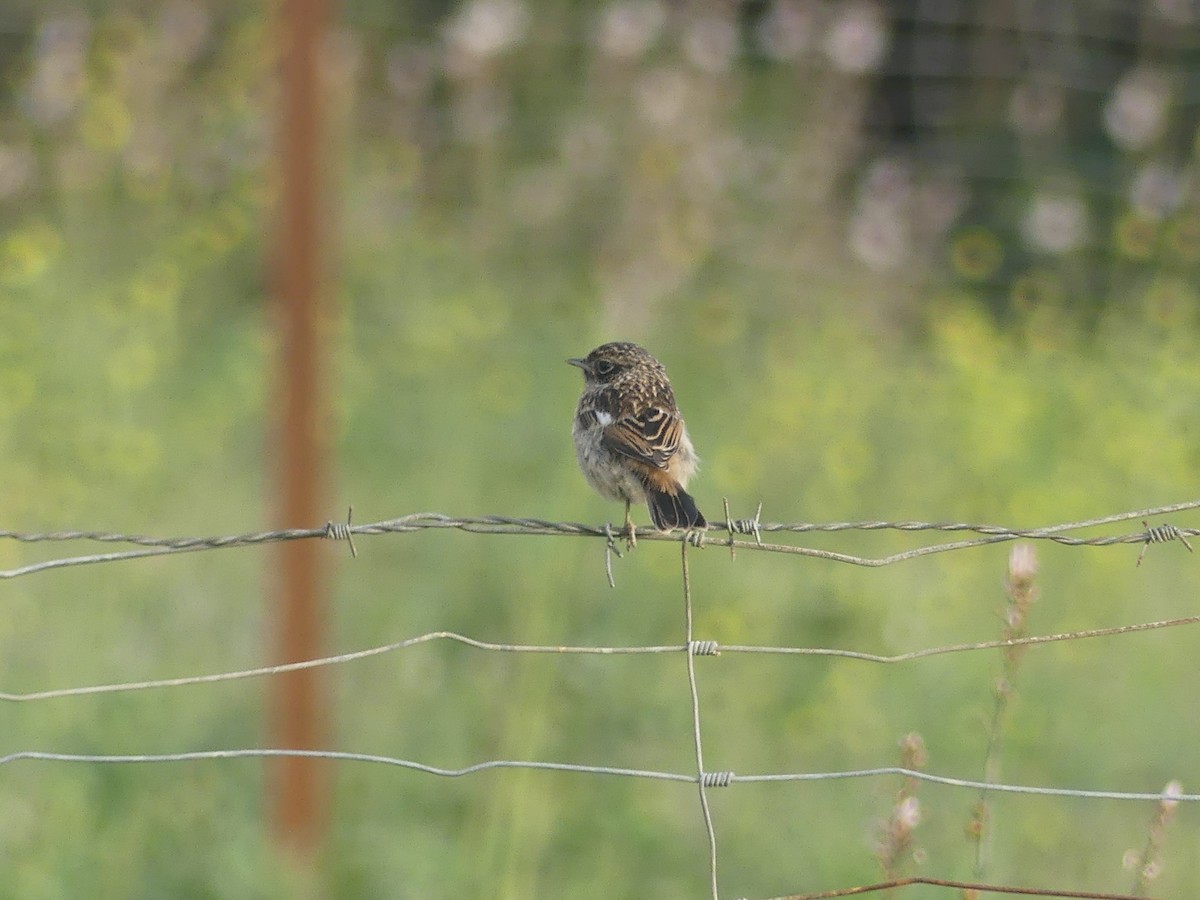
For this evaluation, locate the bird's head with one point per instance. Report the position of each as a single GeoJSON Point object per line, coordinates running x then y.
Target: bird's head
{"type": "Point", "coordinates": [608, 362]}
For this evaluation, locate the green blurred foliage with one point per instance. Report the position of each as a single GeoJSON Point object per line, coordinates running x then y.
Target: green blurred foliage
{"type": "Point", "coordinates": [506, 198]}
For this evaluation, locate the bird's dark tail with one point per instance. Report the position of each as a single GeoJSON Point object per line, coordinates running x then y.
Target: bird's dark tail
{"type": "Point", "coordinates": [674, 510]}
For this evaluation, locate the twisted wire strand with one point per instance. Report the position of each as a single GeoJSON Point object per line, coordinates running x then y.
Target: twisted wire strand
{"type": "Point", "coordinates": [989, 534]}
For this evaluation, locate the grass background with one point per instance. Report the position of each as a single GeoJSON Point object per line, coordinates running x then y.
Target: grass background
{"type": "Point", "coordinates": [498, 210]}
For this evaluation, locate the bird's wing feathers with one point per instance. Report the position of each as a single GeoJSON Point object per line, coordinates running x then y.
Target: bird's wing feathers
{"type": "Point", "coordinates": [652, 436]}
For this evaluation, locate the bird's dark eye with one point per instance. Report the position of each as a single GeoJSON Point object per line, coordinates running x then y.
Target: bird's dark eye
{"type": "Point", "coordinates": [604, 368]}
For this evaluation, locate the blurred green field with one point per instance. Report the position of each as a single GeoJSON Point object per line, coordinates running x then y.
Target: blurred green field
{"type": "Point", "coordinates": [496, 213]}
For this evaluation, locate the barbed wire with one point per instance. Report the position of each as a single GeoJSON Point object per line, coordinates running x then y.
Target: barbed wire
{"type": "Point", "coordinates": [990, 534]}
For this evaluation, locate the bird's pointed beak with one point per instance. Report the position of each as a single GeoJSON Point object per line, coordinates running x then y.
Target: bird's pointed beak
{"type": "Point", "coordinates": [576, 361]}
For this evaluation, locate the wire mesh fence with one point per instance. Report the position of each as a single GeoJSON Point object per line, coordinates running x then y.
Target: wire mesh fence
{"type": "Point", "coordinates": [1044, 161]}
{"type": "Point", "coordinates": [737, 534]}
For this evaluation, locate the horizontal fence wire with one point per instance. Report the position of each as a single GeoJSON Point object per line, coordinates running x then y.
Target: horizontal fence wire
{"type": "Point", "coordinates": [990, 534]}
{"type": "Point", "coordinates": [698, 648]}
{"type": "Point", "coordinates": [754, 528]}
{"type": "Point", "coordinates": [708, 779]}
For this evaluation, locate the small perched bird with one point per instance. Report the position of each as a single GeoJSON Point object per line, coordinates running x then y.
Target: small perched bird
{"type": "Point", "coordinates": [630, 439]}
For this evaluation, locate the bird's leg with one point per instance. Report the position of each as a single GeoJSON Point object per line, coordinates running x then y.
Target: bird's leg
{"type": "Point", "coordinates": [630, 531]}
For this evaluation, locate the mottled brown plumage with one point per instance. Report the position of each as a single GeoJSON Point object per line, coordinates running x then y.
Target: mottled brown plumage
{"type": "Point", "coordinates": [630, 439]}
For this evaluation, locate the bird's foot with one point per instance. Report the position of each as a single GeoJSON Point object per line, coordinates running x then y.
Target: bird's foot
{"type": "Point", "coordinates": [611, 537]}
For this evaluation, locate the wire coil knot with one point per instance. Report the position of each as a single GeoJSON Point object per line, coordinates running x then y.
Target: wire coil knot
{"type": "Point", "coordinates": [1161, 534]}
{"type": "Point", "coordinates": [340, 531]}
{"type": "Point", "coordinates": [704, 648]}
{"type": "Point", "coordinates": [743, 526]}
{"type": "Point", "coordinates": [716, 779]}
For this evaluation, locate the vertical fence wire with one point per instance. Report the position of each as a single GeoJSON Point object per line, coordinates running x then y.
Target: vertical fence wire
{"type": "Point", "coordinates": [696, 737]}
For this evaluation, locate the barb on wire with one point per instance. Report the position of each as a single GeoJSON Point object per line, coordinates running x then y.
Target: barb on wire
{"type": "Point", "coordinates": [989, 534]}
{"type": "Point", "coordinates": [340, 531]}
{"type": "Point", "coordinates": [1160, 534]}
{"type": "Point", "coordinates": [729, 529]}
{"type": "Point", "coordinates": [743, 526]}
